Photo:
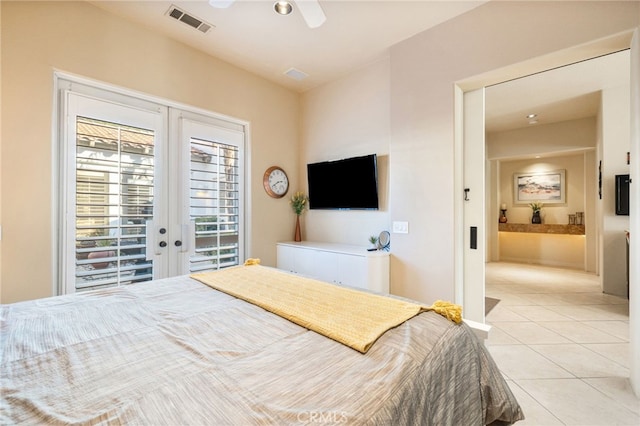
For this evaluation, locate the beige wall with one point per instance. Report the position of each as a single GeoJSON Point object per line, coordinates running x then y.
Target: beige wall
{"type": "Point", "coordinates": [348, 117]}
{"type": "Point", "coordinates": [551, 213]}
{"type": "Point", "coordinates": [562, 251]}
{"type": "Point", "coordinates": [545, 249]}
{"type": "Point", "coordinates": [615, 136]}
{"type": "Point", "coordinates": [424, 70]}
{"type": "Point", "coordinates": [568, 145]}
{"type": "Point", "coordinates": [562, 137]}
{"type": "Point", "coordinates": [78, 38]}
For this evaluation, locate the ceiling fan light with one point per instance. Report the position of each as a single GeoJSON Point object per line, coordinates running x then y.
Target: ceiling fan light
{"type": "Point", "coordinates": [282, 7]}
{"type": "Point", "coordinates": [312, 12]}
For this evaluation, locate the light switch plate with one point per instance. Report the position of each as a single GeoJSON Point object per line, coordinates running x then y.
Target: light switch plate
{"type": "Point", "coordinates": [400, 227]}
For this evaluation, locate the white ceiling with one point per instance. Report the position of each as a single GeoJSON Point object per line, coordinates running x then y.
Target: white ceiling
{"type": "Point", "coordinates": [250, 35]}
{"type": "Point", "coordinates": [567, 93]}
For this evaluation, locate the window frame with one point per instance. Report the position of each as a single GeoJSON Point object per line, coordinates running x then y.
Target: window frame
{"type": "Point", "coordinates": [64, 82]}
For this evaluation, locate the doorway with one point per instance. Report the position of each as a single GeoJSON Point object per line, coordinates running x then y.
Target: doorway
{"type": "Point", "coordinates": [506, 113]}
{"type": "Point", "coordinates": [563, 129]}
{"type": "Point", "coordinates": [536, 65]}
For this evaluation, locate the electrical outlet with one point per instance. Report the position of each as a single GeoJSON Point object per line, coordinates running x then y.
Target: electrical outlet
{"type": "Point", "coordinates": [400, 227]}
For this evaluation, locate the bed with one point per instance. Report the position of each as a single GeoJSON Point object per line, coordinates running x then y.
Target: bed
{"type": "Point", "coordinates": [178, 352]}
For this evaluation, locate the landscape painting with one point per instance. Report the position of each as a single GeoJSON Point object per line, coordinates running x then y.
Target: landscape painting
{"type": "Point", "coordinates": [546, 187]}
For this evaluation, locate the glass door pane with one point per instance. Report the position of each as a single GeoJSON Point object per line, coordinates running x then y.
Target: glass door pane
{"type": "Point", "coordinates": [214, 196]}
{"type": "Point", "coordinates": [111, 174]}
{"type": "Point", "coordinates": [214, 205]}
{"type": "Point", "coordinates": [115, 168]}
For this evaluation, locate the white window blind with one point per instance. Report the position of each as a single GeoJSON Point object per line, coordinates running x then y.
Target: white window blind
{"type": "Point", "coordinates": [214, 204]}
{"type": "Point", "coordinates": [149, 190]}
{"type": "Point", "coordinates": [114, 198]}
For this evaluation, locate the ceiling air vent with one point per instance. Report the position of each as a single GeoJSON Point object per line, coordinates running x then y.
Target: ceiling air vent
{"type": "Point", "coordinates": [182, 16]}
{"type": "Point", "coordinates": [296, 74]}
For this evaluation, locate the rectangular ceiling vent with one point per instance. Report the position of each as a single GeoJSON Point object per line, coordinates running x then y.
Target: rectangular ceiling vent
{"type": "Point", "coordinates": [182, 16]}
{"type": "Point", "coordinates": [296, 74]}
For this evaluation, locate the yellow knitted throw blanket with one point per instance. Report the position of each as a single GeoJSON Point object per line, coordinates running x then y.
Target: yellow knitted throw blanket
{"type": "Point", "coordinates": [354, 318]}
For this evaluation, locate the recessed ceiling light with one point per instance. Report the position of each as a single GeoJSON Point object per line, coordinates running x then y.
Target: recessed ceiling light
{"type": "Point", "coordinates": [530, 116]}
{"type": "Point", "coordinates": [282, 7]}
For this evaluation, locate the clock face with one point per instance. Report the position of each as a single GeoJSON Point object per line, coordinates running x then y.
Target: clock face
{"type": "Point", "coordinates": [276, 182]}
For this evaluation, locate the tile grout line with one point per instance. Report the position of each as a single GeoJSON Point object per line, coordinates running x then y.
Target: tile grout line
{"type": "Point", "coordinates": [608, 311]}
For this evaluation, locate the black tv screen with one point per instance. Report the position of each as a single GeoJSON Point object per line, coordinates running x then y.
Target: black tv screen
{"type": "Point", "coordinates": [351, 183]}
{"type": "Point", "coordinates": [622, 195]}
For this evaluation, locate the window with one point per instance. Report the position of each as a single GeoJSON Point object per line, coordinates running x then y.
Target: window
{"type": "Point", "coordinates": [147, 190]}
{"type": "Point", "coordinates": [114, 198]}
{"type": "Point", "coordinates": [214, 204]}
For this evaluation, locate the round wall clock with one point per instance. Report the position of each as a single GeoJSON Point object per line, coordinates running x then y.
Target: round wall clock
{"type": "Point", "coordinates": [275, 182]}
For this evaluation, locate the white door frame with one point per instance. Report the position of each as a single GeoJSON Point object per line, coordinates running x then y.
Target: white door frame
{"type": "Point", "coordinates": [634, 219]}
{"type": "Point", "coordinates": [470, 204]}
{"type": "Point", "coordinates": [463, 286]}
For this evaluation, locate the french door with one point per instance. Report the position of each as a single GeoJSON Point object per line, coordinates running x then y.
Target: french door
{"type": "Point", "coordinates": [147, 191]}
{"type": "Point", "coordinates": [211, 190]}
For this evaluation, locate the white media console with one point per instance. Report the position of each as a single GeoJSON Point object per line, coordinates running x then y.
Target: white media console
{"type": "Point", "coordinates": [352, 266]}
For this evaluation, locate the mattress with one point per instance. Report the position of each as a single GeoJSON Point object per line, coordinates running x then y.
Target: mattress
{"type": "Point", "coordinates": [177, 352]}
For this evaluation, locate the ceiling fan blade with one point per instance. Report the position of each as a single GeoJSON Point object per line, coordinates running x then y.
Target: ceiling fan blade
{"type": "Point", "coordinates": [311, 12]}
{"type": "Point", "coordinates": [221, 4]}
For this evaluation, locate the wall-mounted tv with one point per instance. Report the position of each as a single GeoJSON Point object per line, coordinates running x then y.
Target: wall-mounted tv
{"type": "Point", "coordinates": [350, 183]}
{"type": "Point", "coordinates": [622, 195]}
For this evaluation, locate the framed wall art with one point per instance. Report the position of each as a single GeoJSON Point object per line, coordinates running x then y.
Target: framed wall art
{"type": "Point", "coordinates": [548, 187]}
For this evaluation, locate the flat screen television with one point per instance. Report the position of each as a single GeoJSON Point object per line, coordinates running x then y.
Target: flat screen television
{"type": "Point", "coordinates": [622, 195]}
{"type": "Point", "coordinates": [350, 183]}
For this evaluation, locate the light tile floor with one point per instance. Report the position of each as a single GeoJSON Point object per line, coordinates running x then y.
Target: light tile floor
{"type": "Point", "coordinates": [562, 345]}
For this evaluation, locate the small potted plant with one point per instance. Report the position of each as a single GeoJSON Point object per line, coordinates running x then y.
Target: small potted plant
{"type": "Point", "coordinates": [536, 207]}
{"type": "Point", "coordinates": [298, 204]}
{"type": "Point", "coordinates": [374, 242]}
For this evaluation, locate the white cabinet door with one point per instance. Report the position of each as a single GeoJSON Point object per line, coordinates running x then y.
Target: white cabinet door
{"type": "Point", "coordinates": [323, 265]}
{"type": "Point", "coordinates": [352, 271]}
{"type": "Point", "coordinates": [286, 258]}
{"type": "Point", "coordinates": [305, 262]}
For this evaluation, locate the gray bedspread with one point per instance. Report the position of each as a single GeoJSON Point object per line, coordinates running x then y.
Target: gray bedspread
{"type": "Point", "coordinates": [177, 352]}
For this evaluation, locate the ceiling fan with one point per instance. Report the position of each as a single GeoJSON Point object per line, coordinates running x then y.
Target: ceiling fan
{"type": "Point", "coordinates": [309, 9]}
